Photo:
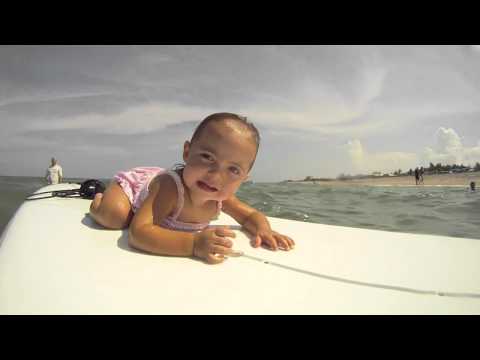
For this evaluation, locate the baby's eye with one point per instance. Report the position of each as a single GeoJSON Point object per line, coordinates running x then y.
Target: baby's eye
{"type": "Point", "coordinates": [206, 157]}
{"type": "Point", "coordinates": [235, 170]}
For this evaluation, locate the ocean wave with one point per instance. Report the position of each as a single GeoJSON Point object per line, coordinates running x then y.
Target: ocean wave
{"type": "Point", "coordinates": [433, 210]}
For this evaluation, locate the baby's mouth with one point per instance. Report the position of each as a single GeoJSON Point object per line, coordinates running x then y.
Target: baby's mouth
{"type": "Point", "coordinates": [206, 187]}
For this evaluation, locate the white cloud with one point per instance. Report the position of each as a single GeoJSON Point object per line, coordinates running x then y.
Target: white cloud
{"type": "Point", "coordinates": [135, 120]}
{"type": "Point", "coordinates": [318, 109]}
{"type": "Point", "coordinates": [343, 96]}
{"type": "Point", "coordinates": [323, 94]}
{"type": "Point", "coordinates": [35, 144]}
{"type": "Point", "coordinates": [25, 142]}
{"type": "Point", "coordinates": [314, 108]}
{"type": "Point", "coordinates": [102, 150]}
{"type": "Point", "coordinates": [364, 162]}
{"type": "Point", "coordinates": [448, 141]}
{"type": "Point", "coordinates": [449, 149]}
{"type": "Point", "coordinates": [39, 97]}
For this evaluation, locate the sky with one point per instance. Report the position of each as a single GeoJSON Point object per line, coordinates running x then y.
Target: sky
{"type": "Point", "coordinates": [321, 110]}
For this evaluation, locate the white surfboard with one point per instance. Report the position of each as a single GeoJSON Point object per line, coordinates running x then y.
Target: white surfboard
{"type": "Point", "coordinates": [55, 260]}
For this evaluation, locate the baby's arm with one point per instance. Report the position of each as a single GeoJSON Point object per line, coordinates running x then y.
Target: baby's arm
{"type": "Point", "coordinates": [146, 234]}
{"type": "Point", "coordinates": [256, 223]}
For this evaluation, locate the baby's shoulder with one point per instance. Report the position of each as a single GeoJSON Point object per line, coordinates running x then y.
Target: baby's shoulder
{"type": "Point", "coordinates": [163, 192]}
{"type": "Point", "coordinates": [163, 183]}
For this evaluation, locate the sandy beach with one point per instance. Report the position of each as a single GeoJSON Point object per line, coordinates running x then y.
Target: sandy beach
{"type": "Point", "coordinates": [455, 180]}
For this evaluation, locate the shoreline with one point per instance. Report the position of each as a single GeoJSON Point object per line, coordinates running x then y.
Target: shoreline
{"type": "Point", "coordinates": [437, 180]}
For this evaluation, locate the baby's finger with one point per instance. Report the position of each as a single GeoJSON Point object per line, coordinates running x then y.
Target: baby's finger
{"type": "Point", "coordinates": [224, 231]}
{"type": "Point", "coordinates": [283, 242]}
{"type": "Point", "coordinates": [257, 241]}
{"type": "Point", "coordinates": [290, 241]}
{"type": "Point", "coordinates": [270, 240]}
{"type": "Point", "coordinates": [222, 250]}
{"type": "Point", "coordinates": [212, 259]}
{"type": "Point", "coordinates": [223, 241]}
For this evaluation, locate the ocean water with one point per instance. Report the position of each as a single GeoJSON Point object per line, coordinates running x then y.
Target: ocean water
{"type": "Point", "coordinates": [449, 211]}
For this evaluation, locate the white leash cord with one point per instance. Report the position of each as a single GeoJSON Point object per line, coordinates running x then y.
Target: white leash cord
{"type": "Point", "coordinates": [362, 283]}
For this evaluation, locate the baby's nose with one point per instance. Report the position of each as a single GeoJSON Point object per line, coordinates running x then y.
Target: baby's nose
{"type": "Point", "coordinates": [215, 174]}
{"type": "Point", "coordinates": [214, 169]}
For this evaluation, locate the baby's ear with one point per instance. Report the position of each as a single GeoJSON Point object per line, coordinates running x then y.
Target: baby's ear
{"type": "Point", "coordinates": [186, 150]}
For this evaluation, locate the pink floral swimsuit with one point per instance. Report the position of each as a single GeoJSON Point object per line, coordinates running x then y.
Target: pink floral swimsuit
{"type": "Point", "coordinates": [135, 183]}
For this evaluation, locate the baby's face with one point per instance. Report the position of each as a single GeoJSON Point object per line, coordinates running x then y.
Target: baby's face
{"type": "Point", "coordinates": [218, 161]}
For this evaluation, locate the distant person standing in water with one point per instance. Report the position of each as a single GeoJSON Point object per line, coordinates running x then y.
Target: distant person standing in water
{"type": "Point", "coordinates": [417, 175]}
{"type": "Point", "coordinates": [472, 186]}
{"type": "Point", "coordinates": [420, 173]}
{"type": "Point", "coordinates": [54, 174]}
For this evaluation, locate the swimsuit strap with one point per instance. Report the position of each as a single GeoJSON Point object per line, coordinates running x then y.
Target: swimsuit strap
{"type": "Point", "coordinates": [181, 195]}
{"type": "Point", "coordinates": [180, 191]}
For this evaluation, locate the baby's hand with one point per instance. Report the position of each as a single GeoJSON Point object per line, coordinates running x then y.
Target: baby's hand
{"type": "Point", "coordinates": [213, 241]}
{"type": "Point", "coordinates": [273, 240]}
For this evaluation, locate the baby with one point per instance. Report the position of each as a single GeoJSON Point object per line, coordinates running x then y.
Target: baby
{"type": "Point", "coordinates": [168, 211]}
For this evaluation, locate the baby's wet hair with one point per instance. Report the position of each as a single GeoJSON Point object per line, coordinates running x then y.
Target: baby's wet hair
{"type": "Point", "coordinates": [217, 117]}
{"type": "Point", "coordinates": [228, 116]}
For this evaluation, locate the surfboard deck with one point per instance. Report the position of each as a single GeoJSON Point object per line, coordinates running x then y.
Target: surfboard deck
{"type": "Point", "coordinates": [55, 260]}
